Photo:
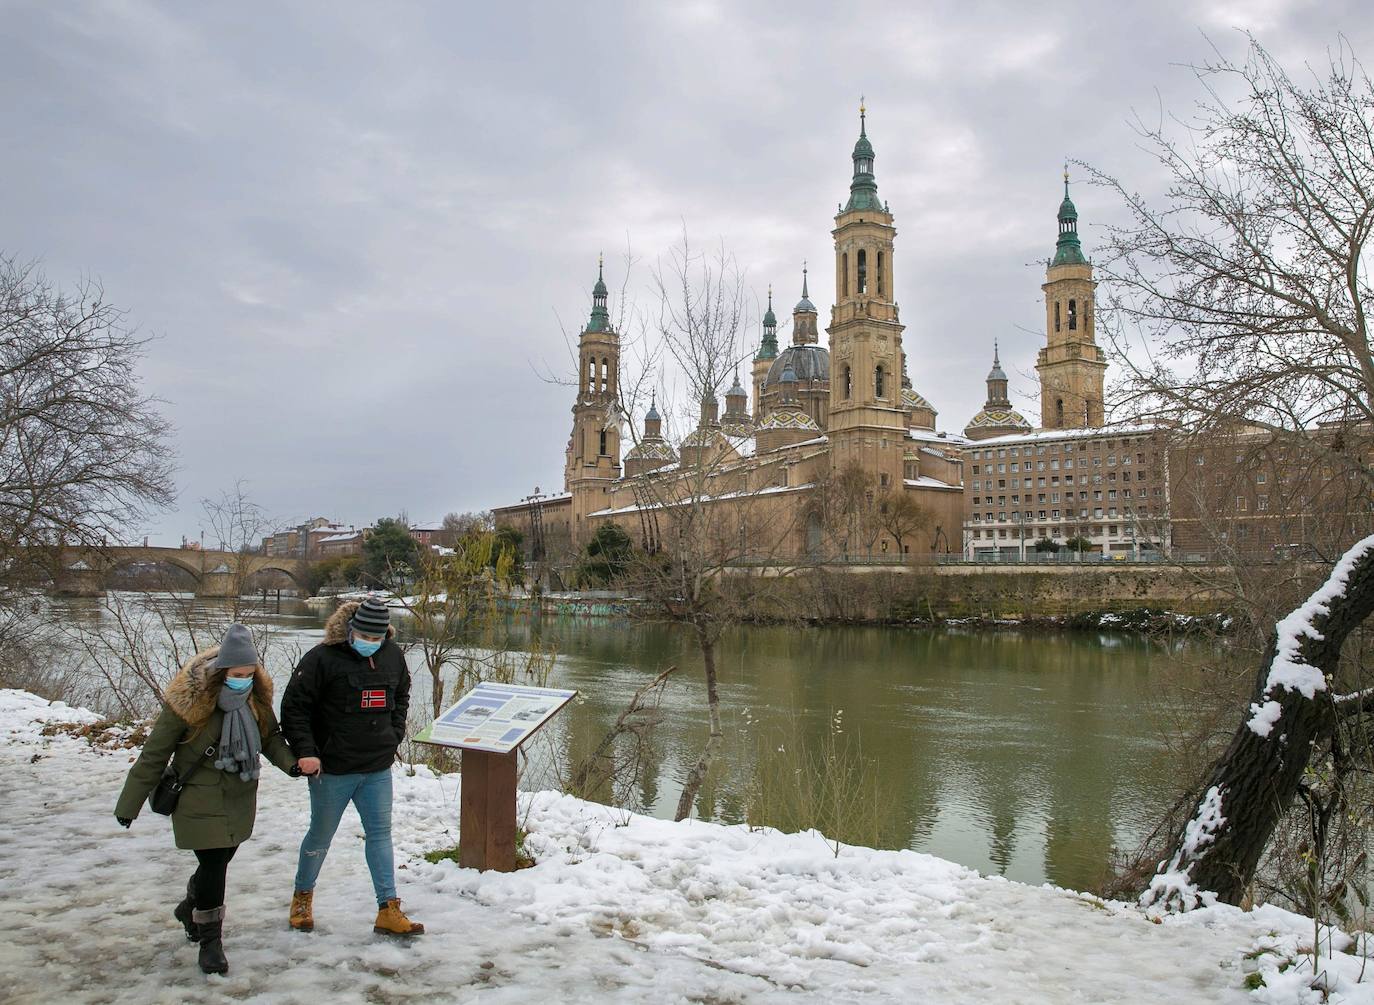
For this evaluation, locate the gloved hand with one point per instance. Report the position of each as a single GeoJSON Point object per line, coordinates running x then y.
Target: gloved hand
{"type": "Point", "coordinates": [124, 821]}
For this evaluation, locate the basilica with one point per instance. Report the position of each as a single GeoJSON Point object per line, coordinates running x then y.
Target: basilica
{"type": "Point", "coordinates": [814, 412]}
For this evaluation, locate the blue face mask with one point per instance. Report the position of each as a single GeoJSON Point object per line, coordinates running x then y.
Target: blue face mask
{"type": "Point", "coordinates": [238, 684]}
{"type": "Point", "coordinates": [362, 648]}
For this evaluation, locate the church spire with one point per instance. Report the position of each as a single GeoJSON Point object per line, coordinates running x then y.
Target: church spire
{"type": "Point", "coordinates": [1068, 250]}
{"type": "Point", "coordinates": [997, 382]}
{"type": "Point", "coordinates": [863, 190]}
{"type": "Point", "coordinates": [768, 348]}
{"type": "Point", "coordinates": [601, 318]}
{"type": "Point", "coordinates": [804, 317]}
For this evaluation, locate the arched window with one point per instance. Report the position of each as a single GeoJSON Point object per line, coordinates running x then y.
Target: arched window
{"type": "Point", "coordinates": [610, 375]}
{"type": "Point", "coordinates": [880, 273]}
{"type": "Point", "coordinates": [605, 374]}
{"type": "Point", "coordinates": [1073, 315]}
{"type": "Point", "coordinates": [590, 385]}
{"type": "Point", "coordinates": [1056, 315]}
{"type": "Point", "coordinates": [844, 274]}
{"type": "Point", "coordinates": [1059, 413]}
{"type": "Point", "coordinates": [848, 382]}
{"type": "Point", "coordinates": [863, 271]}
{"type": "Point", "coordinates": [603, 442]}
{"type": "Point", "coordinates": [1088, 316]}
{"type": "Point", "coordinates": [878, 381]}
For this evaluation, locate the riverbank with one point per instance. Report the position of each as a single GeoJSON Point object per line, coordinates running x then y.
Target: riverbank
{"type": "Point", "coordinates": [618, 908]}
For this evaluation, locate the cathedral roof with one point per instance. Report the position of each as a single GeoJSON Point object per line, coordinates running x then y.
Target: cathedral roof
{"type": "Point", "coordinates": [912, 400]}
{"type": "Point", "coordinates": [788, 417]}
{"type": "Point", "coordinates": [651, 449]}
{"type": "Point", "coordinates": [807, 362]}
{"type": "Point", "coordinates": [863, 190]}
{"type": "Point", "coordinates": [999, 418]}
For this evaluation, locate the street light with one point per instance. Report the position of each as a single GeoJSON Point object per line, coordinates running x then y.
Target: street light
{"type": "Point", "coordinates": [1020, 533]}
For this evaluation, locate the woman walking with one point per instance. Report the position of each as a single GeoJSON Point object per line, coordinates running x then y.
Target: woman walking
{"type": "Point", "coordinates": [216, 718]}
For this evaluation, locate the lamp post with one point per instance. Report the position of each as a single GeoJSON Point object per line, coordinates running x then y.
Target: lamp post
{"type": "Point", "coordinates": [1020, 534]}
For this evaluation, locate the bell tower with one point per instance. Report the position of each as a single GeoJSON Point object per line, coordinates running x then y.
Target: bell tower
{"type": "Point", "coordinates": [867, 422]}
{"type": "Point", "coordinates": [1072, 365]}
{"type": "Point", "coordinates": [593, 456]}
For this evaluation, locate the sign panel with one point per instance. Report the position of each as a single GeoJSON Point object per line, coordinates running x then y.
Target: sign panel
{"type": "Point", "coordinates": [495, 718]}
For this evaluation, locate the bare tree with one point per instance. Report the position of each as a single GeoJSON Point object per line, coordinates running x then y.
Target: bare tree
{"type": "Point", "coordinates": [902, 516]}
{"type": "Point", "coordinates": [84, 455]}
{"type": "Point", "coordinates": [1238, 310]}
{"type": "Point", "coordinates": [712, 522]}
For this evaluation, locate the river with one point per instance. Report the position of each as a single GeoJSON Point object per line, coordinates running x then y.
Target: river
{"type": "Point", "coordinates": [1021, 754]}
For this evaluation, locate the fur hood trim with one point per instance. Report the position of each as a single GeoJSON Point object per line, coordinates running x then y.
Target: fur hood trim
{"type": "Point", "coordinates": [336, 628]}
{"type": "Point", "coordinates": [194, 692]}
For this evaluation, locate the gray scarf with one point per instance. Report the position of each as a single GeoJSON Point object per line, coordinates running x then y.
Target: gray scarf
{"type": "Point", "coordinates": [240, 740]}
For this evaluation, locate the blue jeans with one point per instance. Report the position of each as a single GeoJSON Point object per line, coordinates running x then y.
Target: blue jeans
{"type": "Point", "coordinates": [329, 797]}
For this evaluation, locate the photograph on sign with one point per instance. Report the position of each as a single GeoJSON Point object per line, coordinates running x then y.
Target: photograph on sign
{"type": "Point", "coordinates": [495, 718]}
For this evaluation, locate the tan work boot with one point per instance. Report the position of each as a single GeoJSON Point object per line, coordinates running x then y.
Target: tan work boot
{"type": "Point", "coordinates": [391, 921]}
{"type": "Point", "coordinates": [302, 914]}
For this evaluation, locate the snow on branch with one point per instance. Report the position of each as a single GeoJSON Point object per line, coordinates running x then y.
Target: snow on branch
{"type": "Point", "coordinates": [1289, 670]}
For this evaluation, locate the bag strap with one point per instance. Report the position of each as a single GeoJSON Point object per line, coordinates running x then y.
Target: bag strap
{"type": "Point", "coordinates": [205, 756]}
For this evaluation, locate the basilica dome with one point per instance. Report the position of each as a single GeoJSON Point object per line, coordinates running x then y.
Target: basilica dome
{"type": "Point", "coordinates": [809, 362]}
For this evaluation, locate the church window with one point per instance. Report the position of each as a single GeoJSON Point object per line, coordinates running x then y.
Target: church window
{"type": "Point", "coordinates": [1073, 315]}
{"type": "Point", "coordinates": [863, 271]}
{"type": "Point", "coordinates": [877, 373]}
{"type": "Point", "coordinates": [603, 443]}
{"type": "Point", "coordinates": [1056, 315]}
{"type": "Point", "coordinates": [590, 385]}
{"type": "Point", "coordinates": [844, 278]}
{"type": "Point", "coordinates": [848, 382]}
{"type": "Point", "coordinates": [880, 273]}
{"type": "Point", "coordinates": [1059, 402]}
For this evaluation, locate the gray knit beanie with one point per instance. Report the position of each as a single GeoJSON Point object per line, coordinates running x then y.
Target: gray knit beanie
{"type": "Point", "coordinates": [372, 617]}
{"type": "Point", "coordinates": [237, 649]}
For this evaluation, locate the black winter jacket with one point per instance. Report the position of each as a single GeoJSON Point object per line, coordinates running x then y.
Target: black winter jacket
{"type": "Point", "coordinates": [347, 710]}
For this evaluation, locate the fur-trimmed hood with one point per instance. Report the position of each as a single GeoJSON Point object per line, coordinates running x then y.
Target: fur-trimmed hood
{"type": "Point", "coordinates": [194, 692]}
{"type": "Point", "coordinates": [336, 628]}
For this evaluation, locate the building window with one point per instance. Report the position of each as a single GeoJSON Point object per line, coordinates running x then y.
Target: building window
{"type": "Point", "coordinates": [848, 382]}
{"type": "Point", "coordinates": [603, 442]}
{"type": "Point", "coordinates": [1073, 315]}
{"type": "Point", "coordinates": [1056, 315]}
{"type": "Point", "coordinates": [882, 482]}
{"type": "Point", "coordinates": [877, 376]}
{"type": "Point", "coordinates": [880, 273]}
{"type": "Point", "coordinates": [591, 376]}
{"type": "Point", "coordinates": [1262, 503]}
{"type": "Point", "coordinates": [862, 261]}
{"type": "Point", "coordinates": [844, 274]}
{"type": "Point", "coordinates": [1059, 402]}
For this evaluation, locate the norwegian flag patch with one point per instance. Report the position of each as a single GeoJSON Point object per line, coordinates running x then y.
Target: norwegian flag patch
{"type": "Point", "coordinates": [374, 699]}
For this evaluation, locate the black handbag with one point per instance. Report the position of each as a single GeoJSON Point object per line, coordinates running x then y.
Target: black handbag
{"type": "Point", "coordinates": [168, 792]}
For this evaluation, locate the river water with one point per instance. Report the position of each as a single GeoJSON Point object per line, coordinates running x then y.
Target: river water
{"type": "Point", "coordinates": [1027, 755]}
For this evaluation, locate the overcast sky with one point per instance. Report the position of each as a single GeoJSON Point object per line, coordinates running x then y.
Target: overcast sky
{"type": "Point", "coordinates": [358, 231]}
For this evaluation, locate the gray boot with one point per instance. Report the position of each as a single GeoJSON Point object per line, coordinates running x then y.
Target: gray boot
{"type": "Point", "coordinates": [209, 926]}
{"type": "Point", "coordinates": [182, 912]}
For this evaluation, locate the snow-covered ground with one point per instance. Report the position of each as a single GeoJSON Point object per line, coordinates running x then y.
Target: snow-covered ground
{"type": "Point", "coordinates": [619, 908]}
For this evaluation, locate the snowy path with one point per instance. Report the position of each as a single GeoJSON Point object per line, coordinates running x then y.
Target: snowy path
{"type": "Point", "coordinates": [620, 909]}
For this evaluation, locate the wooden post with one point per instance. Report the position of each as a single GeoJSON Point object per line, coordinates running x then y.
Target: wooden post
{"type": "Point", "coordinates": [486, 822]}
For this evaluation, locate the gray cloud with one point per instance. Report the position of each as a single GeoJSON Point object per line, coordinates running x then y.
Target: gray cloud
{"type": "Point", "coordinates": [356, 229]}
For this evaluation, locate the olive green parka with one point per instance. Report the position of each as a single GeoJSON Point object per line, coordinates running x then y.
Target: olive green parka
{"type": "Point", "coordinates": [217, 808]}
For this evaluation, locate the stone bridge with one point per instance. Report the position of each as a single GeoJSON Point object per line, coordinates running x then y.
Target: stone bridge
{"type": "Point", "coordinates": [85, 572]}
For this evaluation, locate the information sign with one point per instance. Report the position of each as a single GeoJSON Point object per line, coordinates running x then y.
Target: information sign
{"type": "Point", "coordinates": [495, 718]}
{"type": "Point", "coordinates": [488, 724]}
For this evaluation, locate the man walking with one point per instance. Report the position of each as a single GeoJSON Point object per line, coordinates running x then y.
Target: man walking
{"type": "Point", "coordinates": [344, 714]}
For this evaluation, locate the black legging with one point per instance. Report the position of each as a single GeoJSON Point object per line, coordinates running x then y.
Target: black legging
{"type": "Point", "coordinates": [214, 863]}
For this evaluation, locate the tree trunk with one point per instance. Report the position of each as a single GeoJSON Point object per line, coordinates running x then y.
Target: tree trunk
{"type": "Point", "coordinates": [708, 753]}
{"type": "Point", "coordinates": [1253, 783]}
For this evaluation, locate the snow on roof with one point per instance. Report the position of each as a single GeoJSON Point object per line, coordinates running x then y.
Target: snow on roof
{"type": "Point", "coordinates": [770, 491]}
{"type": "Point", "coordinates": [927, 482]}
{"type": "Point", "coordinates": [349, 536]}
{"type": "Point", "coordinates": [1040, 435]}
{"type": "Point", "coordinates": [928, 436]}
